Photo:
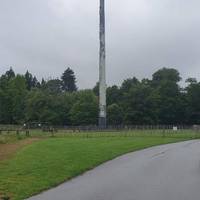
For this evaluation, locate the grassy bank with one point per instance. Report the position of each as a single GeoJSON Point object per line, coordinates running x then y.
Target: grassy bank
{"type": "Point", "coordinates": [46, 163]}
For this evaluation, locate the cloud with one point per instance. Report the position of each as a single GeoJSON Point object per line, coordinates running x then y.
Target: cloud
{"type": "Point", "coordinates": [47, 36]}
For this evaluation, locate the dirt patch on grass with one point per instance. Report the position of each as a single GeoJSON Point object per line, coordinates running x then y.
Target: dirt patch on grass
{"type": "Point", "coordinates": [7, 150]}
{"type": "Point", "coordinates": [5, 197]}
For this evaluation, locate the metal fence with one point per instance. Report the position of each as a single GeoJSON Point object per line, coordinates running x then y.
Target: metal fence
{"type": "Point", "coordinates": [50, 128]}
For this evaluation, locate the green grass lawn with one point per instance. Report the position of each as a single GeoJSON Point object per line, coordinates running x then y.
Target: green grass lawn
{"type": "Point", "coordinates": [51, 161]}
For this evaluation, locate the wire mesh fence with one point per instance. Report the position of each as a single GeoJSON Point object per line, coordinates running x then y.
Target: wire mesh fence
{"type": "Point", "coordinates": [47, 127]}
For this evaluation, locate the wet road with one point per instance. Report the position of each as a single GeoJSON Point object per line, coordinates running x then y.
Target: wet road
{"type": "Point", "coordinates": [168, 172]}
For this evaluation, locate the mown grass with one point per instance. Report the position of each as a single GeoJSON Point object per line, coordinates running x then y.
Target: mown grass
{"type": "Point", "coordinates": [47, 163]}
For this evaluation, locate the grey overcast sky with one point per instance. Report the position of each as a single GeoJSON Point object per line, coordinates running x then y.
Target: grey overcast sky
{"type": "Point", "coordinates": [46, 36]}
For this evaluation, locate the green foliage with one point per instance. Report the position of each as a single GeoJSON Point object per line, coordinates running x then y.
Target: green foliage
{"type": "Point", "coordinates": [166, 74]}
{"type": "Point", "coordinates": [128, 84]}
{"type": "Point", "coordinates": [46, 107]}
{"type": "Point", "coordinates": [69, 80]}
{"type": "Point", "coordinates": [193, 99]}
{"type": "Point", "coordinates": [165, 84]}
{"type": "Point", "coordinates": [17, 93]}
{"type": "Point", "coordinates": [141, 105]}
{"type": "Point", "coordinates": [53, 86]}
{"type": "Point", "coordinates": [96, 89]}
{"type": "Point", "coordinates": [114, 114]}
{"type": "Point", "coordinates": [113, 95]}
{"type": "Point", "coordinates": [159, 100]}
{"type": "Point", "coordinates": [85, 110]}
{"type": "Point", "coordinates": [12, 98]}
{"type": "Point", "coordinates": [31, 82]}
{"type": "Point", "coordinates": [10, 74]}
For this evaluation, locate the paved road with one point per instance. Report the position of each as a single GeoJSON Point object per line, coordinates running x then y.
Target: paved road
{"type": "Point", "coordinates": [168, 172]}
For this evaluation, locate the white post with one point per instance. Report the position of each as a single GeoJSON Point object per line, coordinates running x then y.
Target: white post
{"type": "Point", "coordinates": [102, 68]}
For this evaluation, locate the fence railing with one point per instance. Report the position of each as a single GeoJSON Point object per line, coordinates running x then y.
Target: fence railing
{"type": "Point", "coordinates": [51, 128]}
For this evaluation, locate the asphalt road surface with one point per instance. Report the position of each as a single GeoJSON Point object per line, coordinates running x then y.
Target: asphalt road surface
{"type": "Point", "coordinates": [168, 172]}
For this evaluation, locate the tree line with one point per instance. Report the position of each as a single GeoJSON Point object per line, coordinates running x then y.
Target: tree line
{"type": "Point", "coordinates": [160, 100]}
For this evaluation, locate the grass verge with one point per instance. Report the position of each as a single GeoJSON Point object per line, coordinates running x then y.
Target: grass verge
{"type": "Point", "coordinates": [49, 162]}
